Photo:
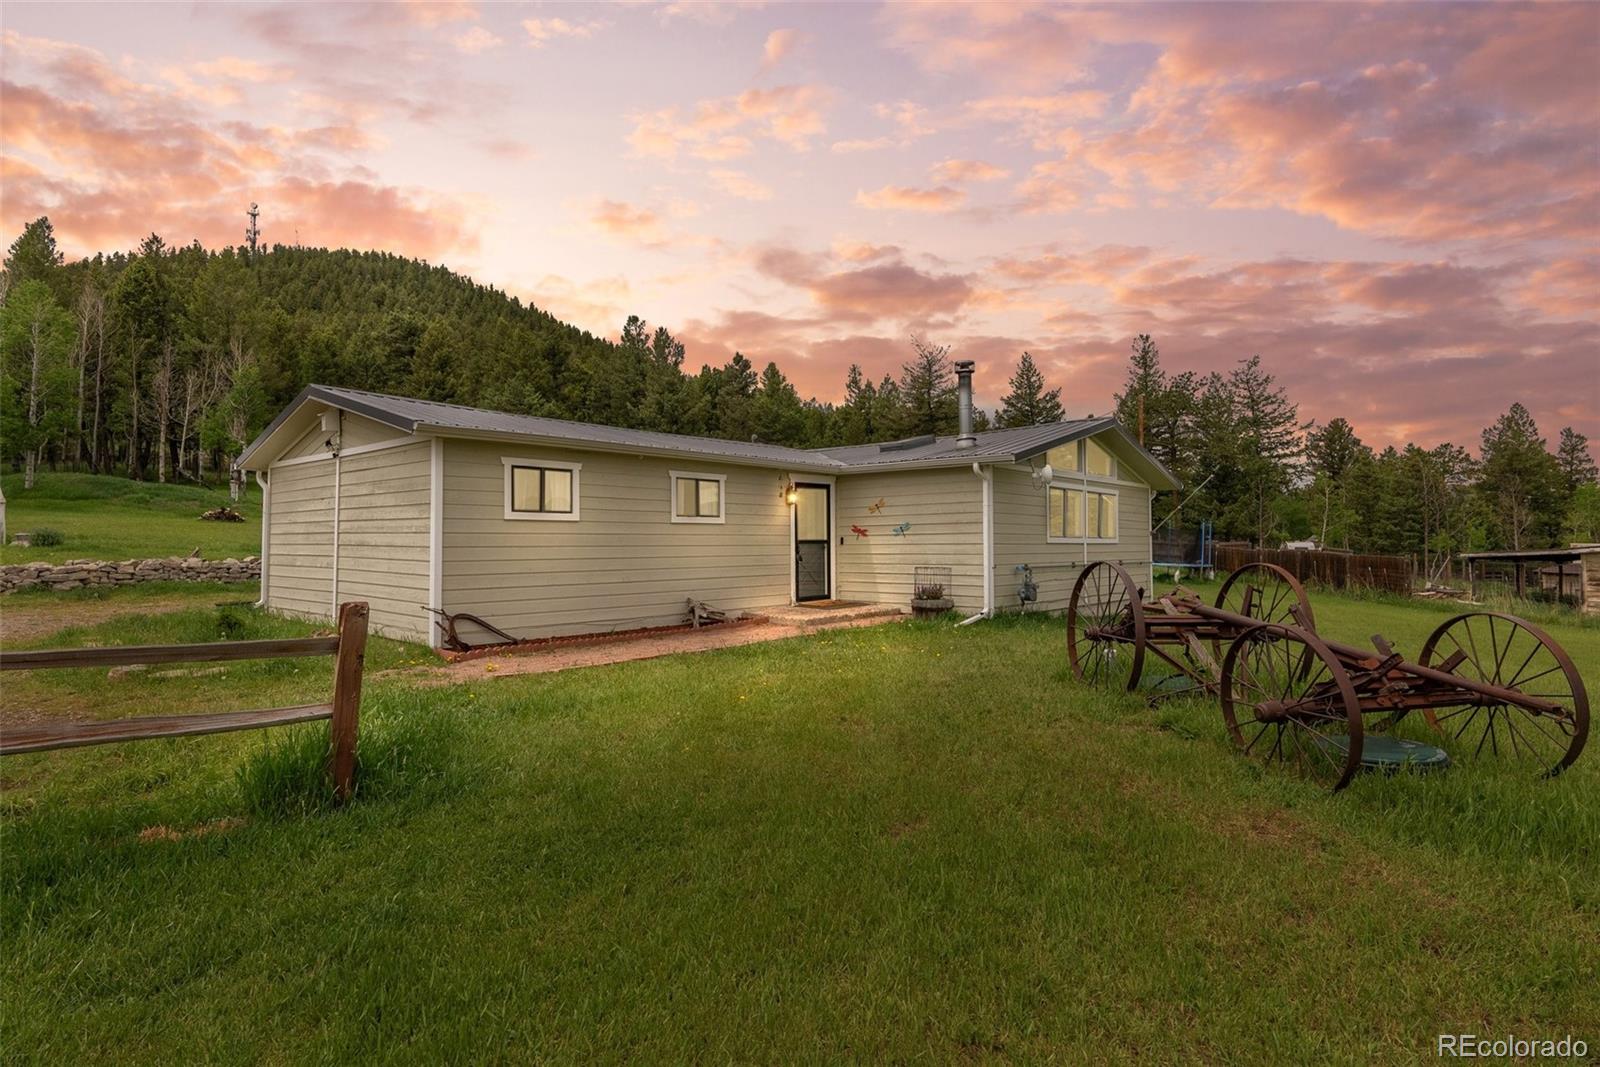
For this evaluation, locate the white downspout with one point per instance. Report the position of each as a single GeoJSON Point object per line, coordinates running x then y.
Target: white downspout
{"type": "Point", "coordinates": [266, 534]}
{"type": "Point", "coordinates": [435, 539]}
{"type": "Point", "coordinates": [337, 462]}
{"type": "Point", "coordinates": [987, 476]}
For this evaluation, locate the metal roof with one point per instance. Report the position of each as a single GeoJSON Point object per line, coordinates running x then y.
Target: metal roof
{"type": "Point", "coordinates": [993, 446]}
{"type": "Point", "coordinates": [410, 416]}
{"type": "Point", "coordinates": [1016, 443]}
{"type": "Point", "coordinates": [1552, 555]}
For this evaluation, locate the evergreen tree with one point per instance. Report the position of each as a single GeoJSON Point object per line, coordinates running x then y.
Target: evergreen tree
{"type": "Point", "coordinates": [1140, 400]}
{"type": "Point", "coordinates": [1577, 465]}
{"type": "Point", "coordinates": [1520, 482]}
{"type": "Point", "coordinates": [779, 418]}
{"type": "Point", "coordinates": [1267, 433]}
{"type": "Point", "coordinates": [1332, 452]}
{"type": "Point", "coordinates": [1162, 411]}
{"type": "Point", "coordinates": [34, 257]}
{"type": "Point", "coordinates": [1029, 403]}
{"type": "Point", "coordinates": [734, 400]}
{"type": "Point", "coordinates": [928, 391]}
{"type": "Point", "coordinates": [858, 417]}
{"type": "Point", "coordinates": [888, 412]}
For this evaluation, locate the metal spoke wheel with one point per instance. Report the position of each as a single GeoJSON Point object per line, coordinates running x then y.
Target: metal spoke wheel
{"type": "Point", "coordinates": [1105, 627]}
{"type": "Point", "coordinates": [1287, 700]}
{"type": "Point", "coordinates": [1542, 717]}
{"type": "Point", "coordinates": [1267, 592]}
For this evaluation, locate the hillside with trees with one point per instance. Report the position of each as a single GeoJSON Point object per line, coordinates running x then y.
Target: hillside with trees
{"type": "Point", "coordinates": [163, 363]}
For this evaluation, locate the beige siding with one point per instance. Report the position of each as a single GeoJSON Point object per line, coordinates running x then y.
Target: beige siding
{"type": "Point", "coordinates": [1020, 508]}
{"type": "Point", "coordinates": [624, 563]}
{"type": "Point", "coordinates": [300, 539]}
{"type": "Point", "coordinates": [945, 510]}
{"type": "Point", "coordinates": [383, 535]}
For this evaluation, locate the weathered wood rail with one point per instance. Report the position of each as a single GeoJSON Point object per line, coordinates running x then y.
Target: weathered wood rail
{"type": "Point", "coordinates": [342, 711]}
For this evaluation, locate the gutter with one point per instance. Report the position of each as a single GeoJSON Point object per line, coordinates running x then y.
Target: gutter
{"type": "Point", "coordinates": [987, 476]}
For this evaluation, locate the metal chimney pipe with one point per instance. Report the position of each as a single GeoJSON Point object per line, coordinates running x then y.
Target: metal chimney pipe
{"type": "Point", "coordinates": [964, 399]}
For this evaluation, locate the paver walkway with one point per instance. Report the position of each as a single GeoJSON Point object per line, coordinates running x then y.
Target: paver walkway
{"type": "Point", "coordinates": [783, 624]}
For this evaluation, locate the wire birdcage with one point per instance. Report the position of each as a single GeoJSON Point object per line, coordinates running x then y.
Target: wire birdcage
{"type": "Point", "coordinates": [930, 583]}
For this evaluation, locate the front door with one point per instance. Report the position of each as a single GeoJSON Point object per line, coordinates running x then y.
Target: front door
{"type": "Point", "coordinates": [811, 545]}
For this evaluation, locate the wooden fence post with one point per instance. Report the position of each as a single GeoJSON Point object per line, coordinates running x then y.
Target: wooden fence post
{"type": "Point", "coordinates": [347, 697]}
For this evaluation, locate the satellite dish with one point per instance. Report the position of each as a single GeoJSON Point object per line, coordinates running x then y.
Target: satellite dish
{"type": "Point", "coordinates": [1044, 475]}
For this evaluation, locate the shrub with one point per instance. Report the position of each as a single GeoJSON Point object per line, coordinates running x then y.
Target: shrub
{"type": "Point", "coordinates": [47, 537]}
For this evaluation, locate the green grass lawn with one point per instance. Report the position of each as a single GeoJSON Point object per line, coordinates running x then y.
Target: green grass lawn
{"type": "Point", "coordinates": [908, 842]}
{"type": "Point", "coordinates": [114, 518]}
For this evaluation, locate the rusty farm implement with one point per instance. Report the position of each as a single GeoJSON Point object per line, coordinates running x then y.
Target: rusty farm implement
{"type": "Point", "coordinates": [1490, 683]}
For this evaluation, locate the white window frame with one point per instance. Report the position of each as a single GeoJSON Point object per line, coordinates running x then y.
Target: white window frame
{"type": "Point", "coordinates": [1083, 461]}
{"type": "Point", "coordinates": [1079, 487]}
{"type": "Point", "coordinates": [512, 462]}
{"type": "Point", "coordinates": [699, 476]}
{"type": "Point", "coordinates": [1080, 448]}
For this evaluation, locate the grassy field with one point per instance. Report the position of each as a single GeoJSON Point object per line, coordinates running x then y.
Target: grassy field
{"type": "Point", "coordinates": [905, 842]}
{"type": "Point", "coordinates": [113, 518]}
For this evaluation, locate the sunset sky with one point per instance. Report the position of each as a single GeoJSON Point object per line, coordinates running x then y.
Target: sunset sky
{"type": "Point", "coordinates": [1398, 207]}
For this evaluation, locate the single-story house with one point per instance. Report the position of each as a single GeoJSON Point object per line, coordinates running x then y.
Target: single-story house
{"type": "Point", "coordinates": [546, 527]}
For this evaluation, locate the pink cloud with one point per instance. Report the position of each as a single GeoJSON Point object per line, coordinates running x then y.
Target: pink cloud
{"type": "Point", "coordinates": [939, 198]}
{"type": "Point", "coordinates": [619, 219]}
{"type": "Point", "coordinates": [112, 164]}
{"type": "Point", "coordinates": [780, 44]}
{"type": "Point", "coordinates": [967, 170]}
{"type": "Point", "coordinates": [542, 31]}
{"type": "Point", "coordinates": [722, 128]}
{"type": "Point", "coordinates": [738, 184]}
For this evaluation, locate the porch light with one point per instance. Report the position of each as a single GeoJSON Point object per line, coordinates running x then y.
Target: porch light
{"type": "Point", "coordinates": [790, 493]}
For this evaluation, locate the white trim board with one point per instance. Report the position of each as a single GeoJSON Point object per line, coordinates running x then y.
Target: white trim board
{"type": "Point", "coordinates": [435, 539]}
{"type": "Point", "coordinates": [511, 463]}
{"type": "Point", "coordinates": [356, 450]}
{"type": "Point", "coordinates": [699, 476]}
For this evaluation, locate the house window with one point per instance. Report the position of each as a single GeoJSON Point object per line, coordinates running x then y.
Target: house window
{"type": "Point", "coordinates": [1097, 461]}
{"type": "Point", "coordinates": [697, 497]}
{"type": "Point", "coordinates": [1064, 458]}
{"type": "Point", "coordinates": [541, 489]}
{"type": "Point", "coordinates": [1074, 511]}
{"type": "Point", "coordinates": [1083, 457]}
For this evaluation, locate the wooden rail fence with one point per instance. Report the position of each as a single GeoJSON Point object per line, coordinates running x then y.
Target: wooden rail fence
{"type": "Point", "coordinates": [1336, 569]}
{"type": "Point", "coordinates": [342, 711]}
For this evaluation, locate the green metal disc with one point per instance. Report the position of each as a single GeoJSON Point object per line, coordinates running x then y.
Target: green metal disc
{"type": "Point", "coordinates": [1380, 752]}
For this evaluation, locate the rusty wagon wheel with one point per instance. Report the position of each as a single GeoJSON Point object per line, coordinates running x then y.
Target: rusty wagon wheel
{"type": "Point", "coordinates": [1105, 627]}
{"type": "Point", "coordinates": [1267, 592]}
{"type": "Point", "coordinates": [1287, 700]}
{"type": "Point", "coordinates": [1542, 718]}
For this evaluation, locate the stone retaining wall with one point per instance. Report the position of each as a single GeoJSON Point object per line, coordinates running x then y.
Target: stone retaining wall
{"type": "Point", "coordinates": [77, 573]}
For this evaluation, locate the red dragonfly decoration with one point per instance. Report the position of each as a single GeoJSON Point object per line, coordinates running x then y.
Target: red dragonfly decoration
{"type": "Point", "coordinates": [859, 531]}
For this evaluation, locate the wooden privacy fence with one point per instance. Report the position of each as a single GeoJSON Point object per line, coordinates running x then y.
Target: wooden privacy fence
{"type": "Point", "coordinates": [1336, 569]}
{"type": "Point", "coordinates": [342, 711]}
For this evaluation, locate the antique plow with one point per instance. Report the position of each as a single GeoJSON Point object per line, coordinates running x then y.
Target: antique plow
{"type": "Point", "coordinates": [1174, 644]}
{"type": "Point", "coordinates": [1485, 681]}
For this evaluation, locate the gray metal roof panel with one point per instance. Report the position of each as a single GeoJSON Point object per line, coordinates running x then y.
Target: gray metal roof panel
{"type": "Point", "coordinates": [409, 415]}
{"type": "Point", "coordinates": [1017, 442]}
{"type": "Point", "coordinates": [413, 414]}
